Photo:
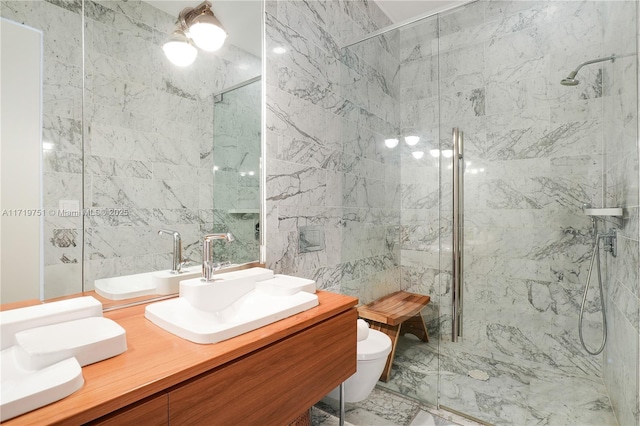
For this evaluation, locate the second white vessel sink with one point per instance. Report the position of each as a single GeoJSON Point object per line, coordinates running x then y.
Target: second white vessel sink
{"type": "Point", "coordinates": [24, 390]}
{"type": "Point", "coordinates": [44, 348]}
{"type": "Point", "coordinates": [144, 284]}
{"type": "Point", "coordinates": [209, 312]}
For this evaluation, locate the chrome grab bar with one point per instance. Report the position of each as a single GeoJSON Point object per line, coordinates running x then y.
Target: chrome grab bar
{"type": "Point", "coordinates": [458, 234]}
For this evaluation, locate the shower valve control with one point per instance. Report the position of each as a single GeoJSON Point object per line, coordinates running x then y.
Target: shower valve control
{"type": "Point", "coordinates": [610, 242]}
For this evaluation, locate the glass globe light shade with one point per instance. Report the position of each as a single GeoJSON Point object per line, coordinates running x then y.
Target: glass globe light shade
{"type": "Point", "coordinates": [206, 32]}
{"type": "Point", "coordinates": [179, 50]}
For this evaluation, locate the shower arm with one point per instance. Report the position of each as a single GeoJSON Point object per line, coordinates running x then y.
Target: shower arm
{"type": "Point", "coordinates": [573, 73]}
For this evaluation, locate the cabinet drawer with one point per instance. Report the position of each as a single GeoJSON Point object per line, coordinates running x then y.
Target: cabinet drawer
{"type": "Point", "coordinates": [153, 412]}
{"type": "Point", "coordinates": [273, 385]}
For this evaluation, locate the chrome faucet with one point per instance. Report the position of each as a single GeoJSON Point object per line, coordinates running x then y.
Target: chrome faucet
{"type": "Point", "coordinates": [208, 265]}
{"type": "Point", "coordinates": [176, 262]}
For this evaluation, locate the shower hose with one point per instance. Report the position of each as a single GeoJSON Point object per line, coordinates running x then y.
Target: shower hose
{"type": "Point", "coordinates": [594, 256]}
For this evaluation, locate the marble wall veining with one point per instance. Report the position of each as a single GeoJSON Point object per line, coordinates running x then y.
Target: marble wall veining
{"type": "Point", "coordinates": [142, 136]}
{"type": "Point", "coordinates": [316, 176]}
{"type": "Point", "coordinates": [620, 174]}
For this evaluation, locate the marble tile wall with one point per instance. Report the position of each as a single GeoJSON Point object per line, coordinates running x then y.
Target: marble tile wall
{"type": "Point", "coordinates": [315, 174]}
{"type": "Point", "coordinates": [620, 148]}
{"type": "Point", "coordinates": [147, 128]}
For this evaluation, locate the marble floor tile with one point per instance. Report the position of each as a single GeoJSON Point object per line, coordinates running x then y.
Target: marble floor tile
{"type": "Point", "coordinates": [384, 408]}
{"type": "Point", "coordinates": [381, 408]}
{"type": "Point", "coordinates": [517, 392]}
{"type": "Point", "coordinates": [424, 418]}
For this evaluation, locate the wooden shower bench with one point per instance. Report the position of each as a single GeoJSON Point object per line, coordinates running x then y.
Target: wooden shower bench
{"type": "Point", "coordinates": [394, 315]}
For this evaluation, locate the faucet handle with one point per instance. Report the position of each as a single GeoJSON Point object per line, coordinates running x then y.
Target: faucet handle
{"type": "Point", "coordinates": [185, 263]}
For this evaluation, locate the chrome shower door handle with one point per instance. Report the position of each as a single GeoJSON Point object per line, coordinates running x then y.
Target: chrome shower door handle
{"type": "Point", "coordinates": [458, 234]}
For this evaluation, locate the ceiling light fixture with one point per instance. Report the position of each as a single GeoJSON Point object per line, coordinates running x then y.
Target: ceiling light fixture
{"type": "Point", "coordinates": [417, 154]}
{"type": "Point", "coordinates": [195, 25]}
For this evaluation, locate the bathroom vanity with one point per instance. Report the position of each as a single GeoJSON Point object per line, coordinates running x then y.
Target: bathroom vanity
{"type": "Point", "coordinates": [267, 376]}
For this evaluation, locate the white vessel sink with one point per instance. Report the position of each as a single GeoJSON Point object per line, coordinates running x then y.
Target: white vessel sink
{"type": "Point", "coordinates": [23, 390]}
{"type": "Point", "coordinates": [44, 348]}
{"type": "Point", "coordinates": [144, 284]}
{"type": "Point", "coordinates": [237, 303]}
{"type": "Point", "coordinates": [88, 340]}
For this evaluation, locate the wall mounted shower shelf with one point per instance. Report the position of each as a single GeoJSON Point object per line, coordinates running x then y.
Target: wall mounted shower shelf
{"type": "Point", "coordinates": [611, 211]}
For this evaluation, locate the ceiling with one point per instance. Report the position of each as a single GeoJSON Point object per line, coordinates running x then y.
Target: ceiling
{"type": "Point", "coordinates": [402, 10]}
{"type": "Point", "coordinates": [243, 18]}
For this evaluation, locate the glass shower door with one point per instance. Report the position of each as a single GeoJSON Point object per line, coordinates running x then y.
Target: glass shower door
{"type": "Point", "coordinates": [533, 153]}
{"type": "Point", "coordinates": [389, 185]}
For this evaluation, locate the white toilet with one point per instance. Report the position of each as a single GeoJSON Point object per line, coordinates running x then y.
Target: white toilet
{"type": "Point", "coordinates": [373, 349]}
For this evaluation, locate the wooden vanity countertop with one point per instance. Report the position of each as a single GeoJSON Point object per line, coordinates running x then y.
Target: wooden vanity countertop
{"type": "Point", "coordinates": [156, 360]}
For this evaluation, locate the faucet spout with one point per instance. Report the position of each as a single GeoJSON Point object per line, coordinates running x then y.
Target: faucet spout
{"type": "Point", "coordinates": [208, 265]}
{"type": "Point", "coordinates": [176, 261]}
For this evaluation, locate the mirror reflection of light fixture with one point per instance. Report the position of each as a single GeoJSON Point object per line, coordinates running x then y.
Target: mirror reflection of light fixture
{"type": "Point", "coordinates": [198, 24]}
{"type": "Point", "coordinates": [391, 143]}
{"type": "Point", "coordinates": [412, 140]}
{"type": "Point", "coordinates": [279, 50]}
{"type": "Point", "coordinates": [434, 153]}
{"type": "Point", "coordinates": [417, 154]}
{"type": "Point", "coordinates": [447, 153]}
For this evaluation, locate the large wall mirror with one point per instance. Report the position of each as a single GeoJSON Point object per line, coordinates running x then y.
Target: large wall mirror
{"type": "Point", "coordinates": [119, 142]}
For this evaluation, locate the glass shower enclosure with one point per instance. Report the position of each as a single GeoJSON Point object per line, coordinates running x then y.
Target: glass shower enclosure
{"type": "Point", "coordinates": [475, 93]}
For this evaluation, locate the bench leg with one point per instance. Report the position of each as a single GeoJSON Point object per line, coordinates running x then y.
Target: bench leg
{"type": "Point", "coordinates": [393, 331]}
{"type": "Point", "coordinates": [416, 326]}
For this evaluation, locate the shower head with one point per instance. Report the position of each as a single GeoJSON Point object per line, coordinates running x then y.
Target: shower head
{"type": "Point", "coordinates": [571, 78]}
{"type": "Point", "coordinates": [569, 82]}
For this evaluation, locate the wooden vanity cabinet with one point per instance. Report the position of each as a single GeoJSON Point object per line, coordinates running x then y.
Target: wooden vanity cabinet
{"type": "Point", "coordinates": [274, 385]}
{"type": "Point", "coordinates": [270, 386]}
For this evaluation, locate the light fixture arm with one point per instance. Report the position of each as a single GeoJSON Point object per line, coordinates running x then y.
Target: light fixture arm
{"type": "Point", "coordinates": [188, 14]}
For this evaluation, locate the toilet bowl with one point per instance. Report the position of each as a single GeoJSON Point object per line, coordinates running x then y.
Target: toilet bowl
{"type": "Point", "coordinates": [372, 353]}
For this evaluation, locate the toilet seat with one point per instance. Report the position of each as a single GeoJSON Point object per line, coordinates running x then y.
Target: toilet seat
{"type": "Point", "coordinates": [377, 345]}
